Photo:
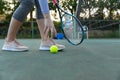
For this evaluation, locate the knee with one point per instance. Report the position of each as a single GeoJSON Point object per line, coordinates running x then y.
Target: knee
{"type": "Point", "coordinates": [24, 8]}
{"type": "Point", "coordinates": [28, 3]}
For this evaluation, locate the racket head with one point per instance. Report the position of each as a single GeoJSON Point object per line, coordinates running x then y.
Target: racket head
{"type": "Point", "coordinates": [72, 29]}
{"type": "Point", "coordinates": [75, 33]}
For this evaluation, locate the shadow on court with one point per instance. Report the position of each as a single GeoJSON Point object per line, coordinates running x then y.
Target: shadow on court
{"type": "Point", "coordinates": [92, 60]}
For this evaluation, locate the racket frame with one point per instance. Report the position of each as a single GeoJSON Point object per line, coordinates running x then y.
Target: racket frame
{"type": "Point", "coordinates": [61, 23]}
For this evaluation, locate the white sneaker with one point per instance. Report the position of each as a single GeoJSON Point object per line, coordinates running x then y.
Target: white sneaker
{"type": "Point", "coordinates": [14, 46]}
{"type": "Point", "coordinates": [47, 47]}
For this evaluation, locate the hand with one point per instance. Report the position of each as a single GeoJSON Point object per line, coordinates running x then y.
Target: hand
{"type": "Point", "coordinates": [49, 26]}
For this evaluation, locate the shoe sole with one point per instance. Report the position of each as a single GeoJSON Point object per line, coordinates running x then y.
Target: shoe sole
{"type": "Point", "coordinates": [15, 50]}
{"type": "Point", "coordinates": [48, 49]}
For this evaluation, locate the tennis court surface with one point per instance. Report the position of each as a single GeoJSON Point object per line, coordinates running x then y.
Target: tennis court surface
{"type": "Point", "coordinates": [94, 59]}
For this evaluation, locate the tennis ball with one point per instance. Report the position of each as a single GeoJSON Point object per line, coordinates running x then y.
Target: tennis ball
{"type": "Point", "coordinates": [53, 49]}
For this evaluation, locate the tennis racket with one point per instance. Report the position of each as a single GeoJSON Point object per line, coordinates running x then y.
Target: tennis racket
{"type": "Point", "coordinates": [70, 25]}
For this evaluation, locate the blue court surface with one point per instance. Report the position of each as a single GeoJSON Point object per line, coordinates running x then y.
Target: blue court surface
{"type": "Point", "coordinates": [94, 59]}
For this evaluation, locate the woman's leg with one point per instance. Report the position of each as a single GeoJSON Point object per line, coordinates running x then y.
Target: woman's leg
{"type": "Point", "coordinates": [40, 19]}
{"type": "Point", "coordinates": [45, 26]}
{"type": "Point", "coordinates": [17, 19]}
{"type": "Point", "coordinates": [13, 29]}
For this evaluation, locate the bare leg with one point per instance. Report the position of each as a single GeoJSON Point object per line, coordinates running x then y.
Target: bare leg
{"type": "Point", "coordinates": [41, 25]}
{"type": "Point", "coordinates": [13, 29]}
{"type": "Point", "coordinates": [18, 17]}
{"type": "Point", "coordinates": [11, 43]}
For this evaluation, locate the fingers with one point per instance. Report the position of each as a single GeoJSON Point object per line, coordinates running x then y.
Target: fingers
{"type": "Point", "coordinates": [51, 31]}
{"type": "Point", "coordinates": [49, 28]}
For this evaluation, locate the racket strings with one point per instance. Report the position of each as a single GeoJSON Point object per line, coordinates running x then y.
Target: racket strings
{"type": "Point", "coordinates": [72, 29]}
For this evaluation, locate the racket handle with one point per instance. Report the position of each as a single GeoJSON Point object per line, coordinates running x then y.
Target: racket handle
{"type": "Point", "coordinates": [54, 1]}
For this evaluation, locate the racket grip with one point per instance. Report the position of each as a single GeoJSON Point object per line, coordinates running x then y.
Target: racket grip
{"type": "Point", "coordinates": [54, 1]}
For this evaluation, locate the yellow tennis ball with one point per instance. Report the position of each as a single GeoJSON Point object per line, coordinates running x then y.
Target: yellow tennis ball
{"type": "Point", "coordinates": [53, 49]}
